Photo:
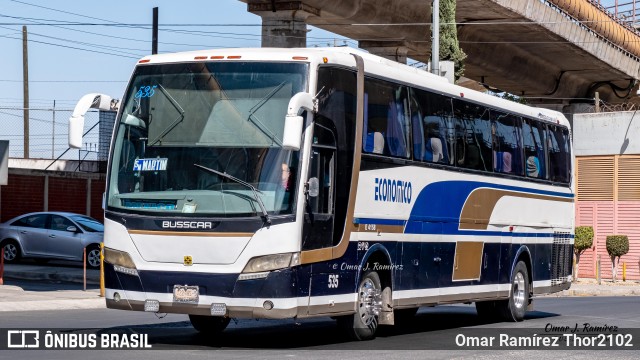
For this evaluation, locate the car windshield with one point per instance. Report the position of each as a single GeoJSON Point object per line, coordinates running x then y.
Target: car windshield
{"type": "Point", "coordinates": [88, 224]}
{"type": "Point", "coordinates": [180, 119]}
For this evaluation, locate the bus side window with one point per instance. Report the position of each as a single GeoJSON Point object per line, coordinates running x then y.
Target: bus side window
{"type": "Point", "coordinates": [534, 155]}
{"type": "Point", "coordinates": [472, 135]}
{"type": "Point", "coordinates": [507, 143]}
{"type": "Point", "coordinates": [559, 154]}
{"type": "Point", "coordinates": [431, 125]}
{"type": "Point", "coordinates": [386, 122]}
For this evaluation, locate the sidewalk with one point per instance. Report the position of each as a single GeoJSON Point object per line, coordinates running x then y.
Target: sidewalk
{"type": "Point", "coordinates": [16, 298]}
{"type": "Point", "coordinates": [590, 287]}
{"type": "Point", "coordinates": [48, 297]}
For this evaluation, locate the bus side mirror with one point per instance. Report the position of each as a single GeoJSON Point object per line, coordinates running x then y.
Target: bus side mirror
{"type": "Point", "coordinates": [293, 121]}
{"type": "Point", "coordinates": [76, 121]}
{"type": "Point", "coordinates": [292, 132]}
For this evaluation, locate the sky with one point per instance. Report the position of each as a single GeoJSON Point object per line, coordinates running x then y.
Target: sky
{"type": "Point", "coordinates": [69, 60]}
{"type": "Point", "coordinates": [76, 47]}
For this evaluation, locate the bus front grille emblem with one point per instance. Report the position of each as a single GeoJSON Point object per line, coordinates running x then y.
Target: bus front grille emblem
{"type": "Point", "coordinates": [188, 260]}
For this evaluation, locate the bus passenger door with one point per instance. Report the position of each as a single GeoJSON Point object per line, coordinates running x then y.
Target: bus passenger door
{"type": "Point", "coordinates": [317, 231]}
{"type": "Point", "coordinates": [318, 219]}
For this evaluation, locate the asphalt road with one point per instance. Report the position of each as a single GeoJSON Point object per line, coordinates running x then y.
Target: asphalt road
{"type": "Point", "coordinates": [319, 338]}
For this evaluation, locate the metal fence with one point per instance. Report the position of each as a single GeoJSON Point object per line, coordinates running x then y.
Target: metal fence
{"type": "Point", "coordinates": [48, 134]}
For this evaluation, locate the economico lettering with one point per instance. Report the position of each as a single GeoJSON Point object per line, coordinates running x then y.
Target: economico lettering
{"type": "Point", "coordinates": [389, 190]}
{"type": "Point", "coordinates": [186, 225]}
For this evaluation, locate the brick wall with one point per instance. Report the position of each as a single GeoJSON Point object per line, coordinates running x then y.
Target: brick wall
{"type": "Point", "coordinates": [68, 195]}
{"type": "Point", "coordinates": [23, 194]}
{"type": "Point", "coordinates": [67, 191]}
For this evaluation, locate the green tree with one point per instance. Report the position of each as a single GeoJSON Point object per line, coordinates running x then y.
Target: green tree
{"type": "Point", "coordinates": [449, 46]}
{"type": "Point", "coordinates": [617, 245]}
{"type": "Point", "coordinates": [583, 241]}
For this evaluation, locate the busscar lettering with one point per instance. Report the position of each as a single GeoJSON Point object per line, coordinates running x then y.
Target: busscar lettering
{"type": "Point", "coordinates": [187, 225]}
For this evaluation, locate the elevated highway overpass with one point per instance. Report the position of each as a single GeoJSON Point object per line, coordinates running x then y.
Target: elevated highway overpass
{"type": "Point", "coordinates": [550, 51]}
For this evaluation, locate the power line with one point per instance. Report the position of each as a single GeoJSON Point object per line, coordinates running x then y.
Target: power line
{"type": "Point", "coordinates": [75, 48]}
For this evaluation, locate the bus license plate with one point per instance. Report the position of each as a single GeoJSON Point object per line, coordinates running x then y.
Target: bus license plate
{"type": "Point", "coordinates": [186, 294]}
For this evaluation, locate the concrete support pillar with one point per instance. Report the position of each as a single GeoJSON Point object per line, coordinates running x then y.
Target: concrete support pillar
{"type": "Point", "coordinates": [283, 22]}
{"type": "Point", "coordinates": [392, 50]}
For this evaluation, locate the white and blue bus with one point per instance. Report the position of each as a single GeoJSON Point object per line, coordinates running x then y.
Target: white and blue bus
{"type": "Point", "coordinates": [296, 183]}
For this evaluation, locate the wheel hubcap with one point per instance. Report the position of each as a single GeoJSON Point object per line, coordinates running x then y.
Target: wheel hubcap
{"type": "Point", "coordinates": [518, 290]}
{"type": "Point", "coordinates": [370, 303]}
{"type": "Point", "coordinates": [94, 257]}
{"type": "Point", "coordinates": [10, 252]}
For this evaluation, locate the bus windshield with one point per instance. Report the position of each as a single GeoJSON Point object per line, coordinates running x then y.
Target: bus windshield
{"type": "Point", "coordinates": [179, 120]}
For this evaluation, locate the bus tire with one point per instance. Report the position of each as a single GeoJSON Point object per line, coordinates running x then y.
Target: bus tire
{"type": "Point", "coordinates": [515, 308]}
{"type": "Point", "coordinates": [363, 324]}
{"type": "Point", "coordinates": [209, 324]}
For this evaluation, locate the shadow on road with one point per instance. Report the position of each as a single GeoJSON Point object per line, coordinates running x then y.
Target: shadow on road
{"type": "Point", "coordinates": [429, 323]}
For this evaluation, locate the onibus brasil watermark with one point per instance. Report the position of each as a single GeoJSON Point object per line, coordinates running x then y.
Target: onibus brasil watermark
{"type": "Point", "coordinates": [66, 339]}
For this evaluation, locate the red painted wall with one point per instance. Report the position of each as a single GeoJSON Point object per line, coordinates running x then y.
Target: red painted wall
{"type": "Point", "coordinates": [25, 194]}
{"type": "Point", "coordinates": [610, 218]}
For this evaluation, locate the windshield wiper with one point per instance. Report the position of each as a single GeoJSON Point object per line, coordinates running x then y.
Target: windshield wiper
{"type": "Point", "coordinates": [255, 191]}
{"type": "Point", "coordinates": [256, 121]}
{"type": "Point", "coordinates": [175, 123]}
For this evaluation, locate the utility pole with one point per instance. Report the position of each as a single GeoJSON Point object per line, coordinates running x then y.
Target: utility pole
{"type": "Point", "coordinates": [25, 91]}
{"type": "Point", "coordinates": [154, 32]}
{"type": "Point", "coordinates": [435, 38]}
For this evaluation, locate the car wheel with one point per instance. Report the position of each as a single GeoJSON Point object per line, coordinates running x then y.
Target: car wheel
{"type": "Point", "coordinates": [363, 324]}
{"type": "Point", "coordinates": [209, 324]}
{"type": "Point", "coordinates": [11, 251]}
{"type": "Point", "coordinates": [93, 256]}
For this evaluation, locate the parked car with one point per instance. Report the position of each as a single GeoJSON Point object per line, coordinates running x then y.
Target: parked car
{"type": "Point", "coordinates": [52, 235]}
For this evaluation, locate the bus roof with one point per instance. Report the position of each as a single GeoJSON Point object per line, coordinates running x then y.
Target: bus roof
{"type": "Point", "coordinates": [374, 65]}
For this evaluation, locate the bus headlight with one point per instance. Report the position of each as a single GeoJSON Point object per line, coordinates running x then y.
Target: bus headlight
{"type": "Point", "coordinates": [272, 262]}
{"type": "Point", "coordinates": [120, 260]}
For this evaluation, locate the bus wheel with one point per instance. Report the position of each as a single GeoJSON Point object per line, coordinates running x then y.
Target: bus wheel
{"type": "Point", "coordinates": [515, 308]}
{"type": "Point", "coordinates": [363, 324]}
{"type": "Point", "coordinates": [209, 324]}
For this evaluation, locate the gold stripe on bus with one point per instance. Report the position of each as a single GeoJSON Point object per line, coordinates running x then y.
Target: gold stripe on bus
{"type": "Point", "coordinates": [480, 204]}
{"type": "Point", "coordinates": [467, 261]}
{"type": "Point", "coordinates": [189, 233]}
{"type": "Point", "coordinates": [337, 251]}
